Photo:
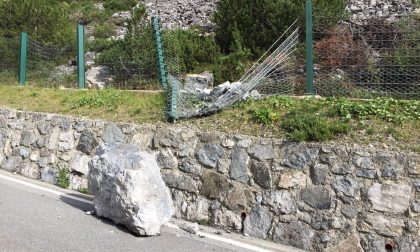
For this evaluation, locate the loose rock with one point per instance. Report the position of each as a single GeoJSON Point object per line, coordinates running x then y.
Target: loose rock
{"type": "Point", "coordinates": [132, 192]}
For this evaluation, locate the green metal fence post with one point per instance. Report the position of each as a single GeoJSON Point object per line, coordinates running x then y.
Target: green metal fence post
{"type": "Point", "coordinates": [163, 79]}
{"type": "Point", "coordinates": [23, 58]}
{"type": "Point", "coordinates": [309, 49]}
{"type": "Point", "coordinates": [81, 55]}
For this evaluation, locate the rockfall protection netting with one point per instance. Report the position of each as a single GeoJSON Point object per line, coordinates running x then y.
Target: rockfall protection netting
{"type": "Point", "coordinates": [9, 59]}
{"type": "Point", "coordinates": [51, 65]}
{"type": "Point", "coordinates": [132, 66]}
{"type": "Point", "coordinates": [273, 74]}
{"type": "Point", "coordinates": [46, 65]}
{"type": "Point", "coordinates": [365, 59]}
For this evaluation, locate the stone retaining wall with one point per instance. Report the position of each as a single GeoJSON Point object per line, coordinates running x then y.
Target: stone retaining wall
{"type": "Point", "coordinates": [311, 196]}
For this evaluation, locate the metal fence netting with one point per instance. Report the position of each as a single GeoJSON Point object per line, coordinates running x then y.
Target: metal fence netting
{"type": "Point", "coordinates": [365, 59]}
{"type": "Point", "coordinates": [50, 65]}
{"type": "Point", "coordinates": [131, 62]}
{"type": "Point", "coordinates": [9, 59]}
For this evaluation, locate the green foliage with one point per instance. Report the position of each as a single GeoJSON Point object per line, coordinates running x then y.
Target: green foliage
{"type": "Point", "coordinates": [63, 177]}
{"type": "Point", "coordinates": [281, 102]}
{"type": "Point", "coordinates": [84, 11]}
{"type": "Point", "coordinates": [133, 59]}
{"type": "Point", "coordinates": [264, 116]}
{"type": "Point", "coordinates": [99, 45]}
{"type": "Point", "coordinates": [260, 22]}
{"type": "Point", "coordinates": [9, 51]}
{"type": "Point", "coordinates": [104, 30]}
{"type": "Point", "coordinates": [387, 109]}
{"type": "Point", "coordinates": [119, 5]}
{"type": "Point", "coordinates": [312, 127]}
{"type": "Point", "coordinates": [232, 66]}
{"type": "Point", "coordinates": [188, 51]}
{"type": "Point", "coordinates": [108, 98]}
{"type": "Point", "coordinates": [44, 20]}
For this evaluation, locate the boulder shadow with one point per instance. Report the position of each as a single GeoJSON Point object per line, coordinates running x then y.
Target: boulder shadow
{"type": "Point", "coordinates": [82, 205]}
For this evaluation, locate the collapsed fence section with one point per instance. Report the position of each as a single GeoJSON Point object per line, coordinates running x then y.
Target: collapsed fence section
{"type": "Point", "coordinates": [189, 95]}
{"type": "Point", "coordinates": [365, 59]}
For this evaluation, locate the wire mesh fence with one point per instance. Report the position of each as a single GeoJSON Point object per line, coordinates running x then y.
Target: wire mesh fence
{"type": "Point", "coordinates": [50, 65]}
{"type": "Point", "coordinates": [9, 59]}
{"type": "Point", "coordinates": [130, 63]}
{"type": "Point", "coordinates": [127, 75]}
{"type": "Point", "coordinates": [376, 57]}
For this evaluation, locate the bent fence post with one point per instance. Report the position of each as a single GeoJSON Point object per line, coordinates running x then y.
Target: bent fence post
{"type": "Point", "coordinates": [81, 55]}
{"type": "Point", "coordinates": [23, 58]}
{"type": "Point", "coordinates": [309, 49]}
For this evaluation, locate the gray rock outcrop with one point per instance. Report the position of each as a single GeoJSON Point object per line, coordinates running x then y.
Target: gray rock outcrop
{"type": "Point", "coordinates": [98, 77]}
{"type": "Point", "coordinates": [128, 189]}
{"type": "Point", "coordinates": [365, 9]}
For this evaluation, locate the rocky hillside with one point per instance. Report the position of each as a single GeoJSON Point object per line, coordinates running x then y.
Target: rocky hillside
{"type": "Point", "coordinates": [183, 13]}
{"type": "Point", "coordinates": [187, 13]}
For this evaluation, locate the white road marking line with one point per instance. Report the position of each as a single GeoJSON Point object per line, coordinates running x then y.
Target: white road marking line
{"type": "Point", "coordinates": [210, 236]}
{"type": "Point", "coordinates": [55, 192]}
{"type": "Point", "coordinates": [225, 240]}
{"type": "Point", "coordinates": [233, 242]}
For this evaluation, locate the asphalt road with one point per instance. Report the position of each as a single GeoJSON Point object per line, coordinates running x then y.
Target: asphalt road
{"type": "Point", "coordinates": [32, 219]}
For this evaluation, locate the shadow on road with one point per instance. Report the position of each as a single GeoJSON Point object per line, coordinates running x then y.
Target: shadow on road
{"type": "Point", "coordinates": [79, 204]}
{"type": "Point", "coordinates": [86, 206]}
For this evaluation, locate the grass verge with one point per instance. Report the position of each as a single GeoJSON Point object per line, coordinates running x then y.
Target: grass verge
{"type": "Point", "coordinates": [387, 122]}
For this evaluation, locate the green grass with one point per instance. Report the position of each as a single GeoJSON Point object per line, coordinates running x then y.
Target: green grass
{"type": "Point", "coordinates": [114, 105]}
{"type": "Point", "coordinates": [388, 122]}
{"type": "Point", "coordinates": [385, 122]}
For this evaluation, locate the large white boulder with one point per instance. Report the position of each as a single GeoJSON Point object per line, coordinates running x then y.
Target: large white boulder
{"type": "Point", "coordinates": [128, 189]}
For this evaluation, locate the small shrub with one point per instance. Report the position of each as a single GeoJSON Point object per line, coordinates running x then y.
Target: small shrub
{"type": "Point", "coordinates": [192, 51]}
{"type": "Point", "coordinates": [119, 5]}
{"type": "Point", "coordinates": [281, 102]}
{"type": "Point", "coordinates": [63, 178]}
{"type": "Point", "coordinates": [304, 127]}
{"type": "Point", "coordinates": [264, 116]}
{"type": "Point", "coordinates": [105, 30]}
{"type": "Point", "coordinates": [340, 43]}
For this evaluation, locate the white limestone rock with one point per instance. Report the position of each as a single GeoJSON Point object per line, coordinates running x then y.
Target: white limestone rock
{"type": "Point", "coordinates": [128, 189]}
